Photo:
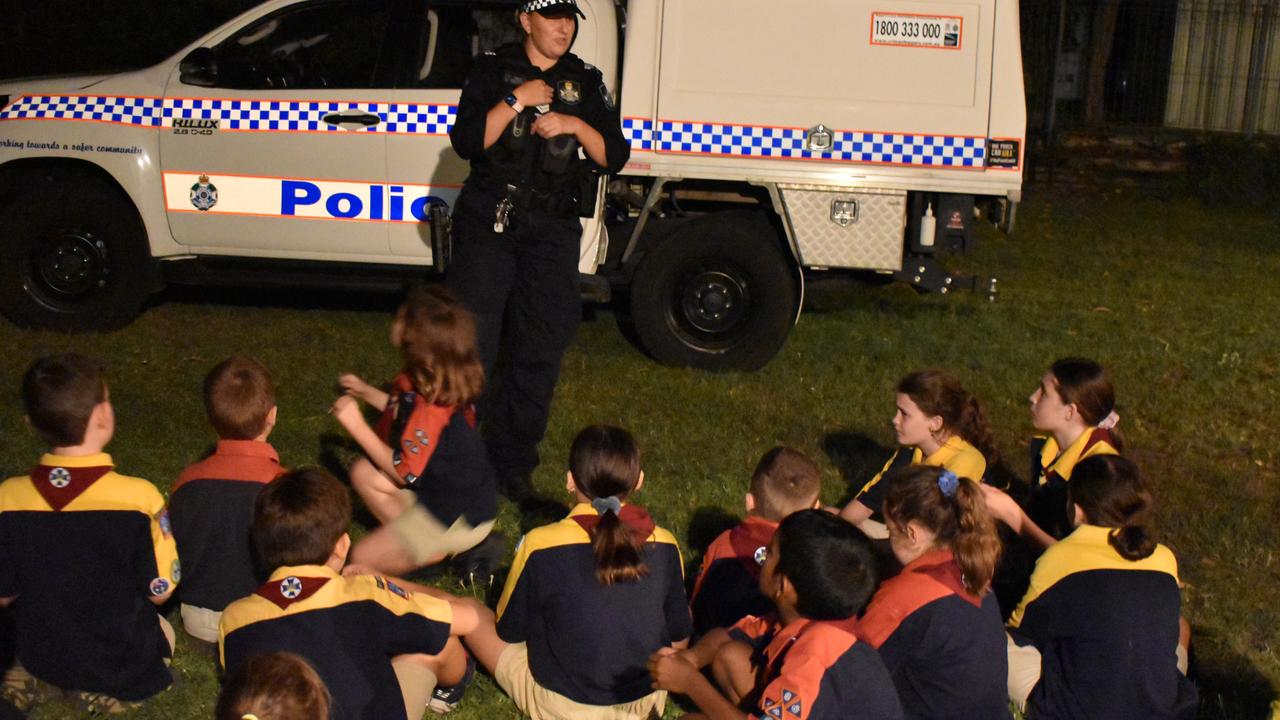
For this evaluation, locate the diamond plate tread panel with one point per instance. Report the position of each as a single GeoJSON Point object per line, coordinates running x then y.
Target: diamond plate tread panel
{"type": "Point", "coordinates": [873, 242]}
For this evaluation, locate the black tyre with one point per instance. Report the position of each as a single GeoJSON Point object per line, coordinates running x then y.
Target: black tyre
{"type": "Point", "coordinates": [718, 293]}
{"type": "Point", "coordinates": [73, 257]}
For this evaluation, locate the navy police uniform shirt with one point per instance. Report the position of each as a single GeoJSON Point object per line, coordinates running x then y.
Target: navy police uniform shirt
{"type": "Point", "coordinates": [550, 169]}
{"type": "Point", "coordinates": [212, 512]}
{"type": "Point", "coordinates": [728, 586]}
{"type": "Point", "coordinates": [1107, 632]}
{"type": "Point", "coordinates": [440, 455]}
{"type": "Point", "coordinates": [347, 628]}
{"type": "Point", "coordinates": [83, 548]}
{"type": "Point", "coordinates": [587, 641]}
{"type": "Point", "coordinates": [944, 647]}
{"type": "Point", "coordinates": [816, 670]}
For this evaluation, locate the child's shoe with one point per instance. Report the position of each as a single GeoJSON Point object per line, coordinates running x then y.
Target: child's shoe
{"type": "Point", "coordinates": [445, 699]}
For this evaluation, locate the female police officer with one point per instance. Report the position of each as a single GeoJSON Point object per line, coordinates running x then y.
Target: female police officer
{"type": "Point", "coordinates": [526, 111]}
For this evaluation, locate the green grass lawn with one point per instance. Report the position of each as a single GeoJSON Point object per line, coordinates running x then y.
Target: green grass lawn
{"type": "Point", "coordinates": [1177, 300]}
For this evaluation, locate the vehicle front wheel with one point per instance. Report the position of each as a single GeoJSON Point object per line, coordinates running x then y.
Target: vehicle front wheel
{"type": "Point", "coordinates": [73, 257]}
{"type": "Point", "coordinates": [718, 293]}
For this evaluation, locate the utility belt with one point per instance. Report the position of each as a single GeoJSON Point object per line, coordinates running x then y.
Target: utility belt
{"type": "Point", "coordinates": [511, 201]}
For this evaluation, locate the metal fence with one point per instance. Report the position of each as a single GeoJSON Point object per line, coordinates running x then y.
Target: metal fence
{"type": "Point", "coordinates": [1189, 64]}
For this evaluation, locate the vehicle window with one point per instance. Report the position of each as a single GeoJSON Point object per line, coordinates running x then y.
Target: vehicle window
{"type": "Point", "coordinates": [321, 45]}
{"type": "Point", "coordinates": [456, 36]}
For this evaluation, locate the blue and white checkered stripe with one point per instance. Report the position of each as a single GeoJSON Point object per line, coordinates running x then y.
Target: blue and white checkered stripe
{"type": "Point", "coordinates": [262, 115]}
{"type": "Point", "coordinates": [638, 132]}
{"type": "Point", "coordinates": [780, 142]}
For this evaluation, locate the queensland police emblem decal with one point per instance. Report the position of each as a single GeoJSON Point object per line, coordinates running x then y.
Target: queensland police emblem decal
{"type": "Point", "coordinates": [570, 92]}
{"type": "Point", "coordinates": [203, 194]}
{"type": "Point", "coordinates": [59, 477]}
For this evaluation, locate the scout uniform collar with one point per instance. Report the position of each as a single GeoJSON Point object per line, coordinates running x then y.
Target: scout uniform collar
{"type": "Point", "coordinates": [293, 584]}
{"type": "Point", "coordinates": [59, 479]}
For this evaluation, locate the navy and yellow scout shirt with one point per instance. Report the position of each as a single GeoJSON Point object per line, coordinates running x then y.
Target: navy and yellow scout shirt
{"type": "Point", "coordinates": [590, 642]}
{"type": "Point", "coordinates": [212, 511]}
{"type": "Point", "coordinates": [84, 548]}
{"type": "Point", "coordinates": [816, 670]}
{"type": "Point", "coordinates": [440, 455]}
{"type": "Point", "coordinates": [955, 455]}
{"type": "Point", "coordinates": [1052, 468]}
{"type": "Point", "coordinates": [347, 628]}
{"type": "Point", "coordinates": [1107, 632]}
{"type": "Point", "coordinates": [728, 586]}
{"type": "Point", "coordinates": [944, 647]}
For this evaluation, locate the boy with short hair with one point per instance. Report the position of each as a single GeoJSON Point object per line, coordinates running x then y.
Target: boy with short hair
{"type": "Point", "coordinates": [379, 649]}
{"type": "Point", "coordinates": [212, 502]}
{"type": "Point", "coordinates": [805, 662]}
{"type": "Point", "coordinates": [87, 553]}
{"type": "Point", "coordinates": [727, 588]}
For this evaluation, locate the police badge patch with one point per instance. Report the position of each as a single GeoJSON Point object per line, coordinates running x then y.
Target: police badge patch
{"type": "Point", "coordinates": [203, 194]}
{"type": "Point", "coordinates": [569, 91]}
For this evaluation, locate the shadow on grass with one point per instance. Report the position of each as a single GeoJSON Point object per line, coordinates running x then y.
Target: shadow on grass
{"type": "Point", "coordinates": [1231, 688]}
{"type": "Point", "coordinates": [856, 456]}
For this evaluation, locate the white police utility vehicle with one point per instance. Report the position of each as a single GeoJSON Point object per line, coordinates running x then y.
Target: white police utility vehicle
{"type": "Point", "coordinates": [307, 142]}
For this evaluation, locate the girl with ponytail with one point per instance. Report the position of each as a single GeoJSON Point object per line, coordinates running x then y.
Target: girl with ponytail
{"type": "Point", "coordinates": [937, 423]}
{"type": "Point", "coordinates": [936, 624]}
{"type": "Point", "coordinates": [1099, 632]}
{"type": "Point", "coordinates": [590, 598]}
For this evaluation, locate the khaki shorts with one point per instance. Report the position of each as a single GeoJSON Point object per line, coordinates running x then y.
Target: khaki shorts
{"type": "Point", "coordinates": [515, 678]}
{"type": "Point", "coordinates": [425, 537]}
{"type": "Point", "coordinates": [201, 623]}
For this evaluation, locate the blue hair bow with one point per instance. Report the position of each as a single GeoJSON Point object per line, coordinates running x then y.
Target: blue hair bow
{"type": "Point", "coordinates": [948, 483]}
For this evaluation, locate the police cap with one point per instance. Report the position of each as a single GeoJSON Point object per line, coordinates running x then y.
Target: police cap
{"type": "Point", "coordinates": [553, 8]}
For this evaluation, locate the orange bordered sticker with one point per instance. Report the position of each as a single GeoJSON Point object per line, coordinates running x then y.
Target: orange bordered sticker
{"type": "Point", "coordinates": [939, 32]}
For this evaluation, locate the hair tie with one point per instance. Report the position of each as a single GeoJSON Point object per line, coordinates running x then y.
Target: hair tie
{"type": "Point", "coordinates": [1111, 420]}
{"type": "Point", "coordinates": [605, 504]}
{"type": "Point", "coordinates": [248, 716]}
{"type": "Point", "coordinates": [948, 483]}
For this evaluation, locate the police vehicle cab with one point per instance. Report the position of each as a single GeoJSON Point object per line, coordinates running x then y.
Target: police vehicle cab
{"type": "Point", "coordinates": [306, 141]}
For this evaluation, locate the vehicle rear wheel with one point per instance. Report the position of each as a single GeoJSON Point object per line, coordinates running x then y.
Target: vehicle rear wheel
{"type": "Point", "coordinates": [73, 257]}
{"type": "Point", "coordinates": [717, 294]}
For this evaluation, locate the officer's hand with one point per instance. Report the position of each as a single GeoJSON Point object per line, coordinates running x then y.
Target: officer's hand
{"type": "Point", "coordinates": [533, 93]}
{"type": "Point", "coordinates": [552, 124]}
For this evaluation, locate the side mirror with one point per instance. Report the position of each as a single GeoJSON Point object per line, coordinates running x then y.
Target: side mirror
{"type": "Point", "coordinates": [199, 67]}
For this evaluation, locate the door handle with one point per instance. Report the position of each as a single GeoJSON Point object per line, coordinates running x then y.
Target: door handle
{"type": "Point", "coordinates": [365, 119]}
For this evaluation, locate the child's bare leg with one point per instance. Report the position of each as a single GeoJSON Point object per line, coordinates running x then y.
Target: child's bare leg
{"type": "Point", "coordinates": [483, 642]}
{"type": "Point", "coordinates": [378, 492]}
{"type": "Point", "coordinates": [733, 671]}
{"type": "Point", "coordinates": [1184, 645]}
{"type": "Point", "coordinates": [385, 552]}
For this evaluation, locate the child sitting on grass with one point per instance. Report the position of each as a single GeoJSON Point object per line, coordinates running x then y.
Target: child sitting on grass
{"type": "Point", "coordinates": [379, 649]}
{"type": "Point", "coordinates": [937, 423]}
{"type": "Point", "coordinates": [212, 502]}
{"type": "Point", "coordinates": [805, 661]}
{"type": "Point", "coordinates": [588, 598]}
{"type": "Point", "coordinates": [727, 588]}
{"type": "Point", "coordinates": [936, 624]}
{"type": "Point", "coordinates": [1099, 632]}
{"type": "Point", "coordinates": [425, 474]}
{"type": "Point", "coordinates": [85, 554]}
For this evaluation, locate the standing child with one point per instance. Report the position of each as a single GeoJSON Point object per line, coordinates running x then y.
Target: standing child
{"type": "Point", "coordinates": [589, 598]}
{"type": "Point", "coordinates": [425, 473]}
{"type": "Point", "coordinates": [379, 649]}
{"type": "Point", "coordinates": [212, 503]}
{"type": "Point", "coordinates": [87, 553]}
{"type": "Point", "coordinates": [806, 661]}
{"type": "Point", "coordinates": [936, 624]}
{"type": "Point", "coordinates": [728, 587]}
{"type": "Point", "coordinates": [937, 423]}
{"type": "Point", "coordinates": [1098, 633]}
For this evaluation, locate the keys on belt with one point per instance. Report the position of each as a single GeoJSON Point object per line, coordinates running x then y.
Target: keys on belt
{"type": "Point", "coordinates": [502, 214]}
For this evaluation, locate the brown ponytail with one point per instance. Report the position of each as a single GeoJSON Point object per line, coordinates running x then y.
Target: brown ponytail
{"type": "Point", "coordinates": [1112, 493]}
{"type": "Point", "coordinates": [957, 515]}
{"type": "Point", "coordinates": [605, 463]}
{"type": "Point", "coordinates": [936, 392]}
